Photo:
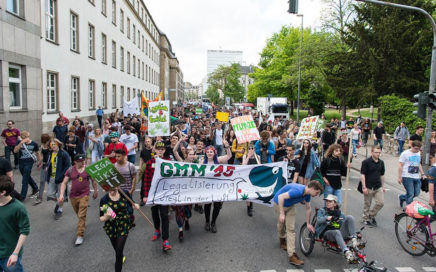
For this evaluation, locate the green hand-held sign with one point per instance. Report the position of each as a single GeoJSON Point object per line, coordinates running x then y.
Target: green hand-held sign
{"type": "Point", "coordinates": [105, 174]}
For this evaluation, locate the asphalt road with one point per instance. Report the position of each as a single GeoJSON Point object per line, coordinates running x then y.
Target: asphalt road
{"type": "Point", "coordinates": [242, 243]}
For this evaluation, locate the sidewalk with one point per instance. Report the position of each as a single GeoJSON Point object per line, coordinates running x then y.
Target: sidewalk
{"type": "Point", "coordinates": [391, 168]}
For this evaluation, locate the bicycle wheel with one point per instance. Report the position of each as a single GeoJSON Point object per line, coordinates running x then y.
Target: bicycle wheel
{"type": "Point", "coordinates": [307, 240]}
{"type": "Point", "coordinates": [411, 239]}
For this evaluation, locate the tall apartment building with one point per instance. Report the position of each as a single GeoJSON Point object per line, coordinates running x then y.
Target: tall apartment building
{"type": "Point", "coordinates": [96, 53]}
{"type": "Point", "coordinates": [20, 72]}
{"type": "Point", "coordinates": [215, 58]}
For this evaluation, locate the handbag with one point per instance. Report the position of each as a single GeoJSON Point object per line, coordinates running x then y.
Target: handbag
{"type": "Point", "coordinates": [30, 154]}
{"type": "Point", "coordinates": [359, 187]}
{"type": "Point", "coordinates": [424, 185]}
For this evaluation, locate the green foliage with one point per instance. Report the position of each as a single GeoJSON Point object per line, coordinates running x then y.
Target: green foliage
{"type": "Point", "coordinates": [395, 109]}
{"type": "Point", "coordinates": [226, 79]}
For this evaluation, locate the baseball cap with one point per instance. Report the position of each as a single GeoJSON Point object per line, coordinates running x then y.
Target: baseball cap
{"type": "Point", "coordinates": [160, 145]}
{"type": "Point", "coordinates": [331, 197]}
{"type": "Point", "coordinates": [79, 157]}
{"type": "Point", "coordinates": [114, 134]}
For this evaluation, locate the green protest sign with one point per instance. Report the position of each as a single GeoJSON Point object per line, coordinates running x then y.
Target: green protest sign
{"type": "Point", "coordinates": [105, 174]}
{"type": "Point", "coordinates": [198, 111]}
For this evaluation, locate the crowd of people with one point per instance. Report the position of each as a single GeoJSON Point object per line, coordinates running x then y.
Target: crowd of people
{"type": "Point", "coordinates": [62, 155]}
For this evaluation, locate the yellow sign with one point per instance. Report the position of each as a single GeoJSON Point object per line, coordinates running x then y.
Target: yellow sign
{"type": "Point", "coordinates": [222, 116]}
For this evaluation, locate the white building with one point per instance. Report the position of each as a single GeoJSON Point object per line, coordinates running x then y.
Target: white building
{"type": "Point", "coordinates": [245, 79]}
{"type": "Point", "coordinates": [215, 58]}
{"type": "Point", "coordinates": [96, 53]}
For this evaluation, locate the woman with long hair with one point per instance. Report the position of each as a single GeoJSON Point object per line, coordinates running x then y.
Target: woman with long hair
{"type": "Point", "coordinates": [212, 158]}
{"type": "Point", "coordinates": [107, 127]}
{"type": "Point", "coordinates": [355, 137]}
{"type": "Point", "coordinates": [281, 144]}
{"type": "Point", "coordinates": [97, 150]}
{"type": "Point", "coordinates": [230, 137]}
{"type": "Point", "coordinates": [332, 168]}
{"type": "Point", "coordinates": [308, 161]}
{"type": "Point", "coordinates": [45, 152]}
{"type": "Point", "coordinates": [192, 143]}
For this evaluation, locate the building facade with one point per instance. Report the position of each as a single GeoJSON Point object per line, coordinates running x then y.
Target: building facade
{"type": "Point", "coordinates": [96, 53]}
{"type": "Point", "coordinates": [166, 53]}
{"type": "Point", "coordinates": [216, 58]}
{"type": "Point", "coordinates": [192, 92]}
{"type": "Point", "coordinates": [20, 62]}
{"type": "Point", "coordinates": [245, 79]}
{"type": "Point", "coordinates": [177, 86]}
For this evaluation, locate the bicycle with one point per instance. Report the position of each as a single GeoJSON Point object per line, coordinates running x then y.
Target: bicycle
{"type": "Point", "coordinates": [419, 238]}
{"type": "Point", "coordinates": [307, 241]}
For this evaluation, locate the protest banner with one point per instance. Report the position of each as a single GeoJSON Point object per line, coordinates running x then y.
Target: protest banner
{"type": "Point", "coordinates": [198, 111]}
{"type": "Point", "coordinates": [105, 174]}
{"type": "Point", "coordinates": [222, 116]}
{"type": "Point", "coordinates": [245, 129]}
{"type": "Point", "coordinates": [180, 183]}
{"type": "Point", "coordinates": [131, 107]}
{"type": "Point", "coordinates": [159, 118]}
{"type": "Point", "coordinates": [144, 105]}
{"type": "Point", "coordinates": [308, 128]}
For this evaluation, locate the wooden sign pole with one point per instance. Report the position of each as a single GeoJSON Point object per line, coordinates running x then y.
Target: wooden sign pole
{"type": "Point", "coordinates": [133, 203]}
{"type": "Point", "coordinates": [347, 182]}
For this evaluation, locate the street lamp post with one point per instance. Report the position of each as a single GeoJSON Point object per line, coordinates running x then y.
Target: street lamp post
{"type": "Point", "coordinates": [299, 69]}
{"type": "Point", "coordinates": [431, 88]}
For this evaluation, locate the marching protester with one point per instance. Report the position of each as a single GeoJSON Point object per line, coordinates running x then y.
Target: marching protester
{"type": "Point", "coordinates": [417, 136]}
{"type": "Point", "coordinates": [373, 185]}
{"type": "Point", "coordinates": [115, 211]}
{"type": "Point", "coordinates": [14, 227]}
{"type": "Point", "coordinates": [72, 143]}
{"type": "Point", "coordinates": [379, 132]}
{"type": "Point", "coordinates": [28, 154]}
{"type": "Point", "coordinates": [284, 205]}
{"type": "Point", "coordinates": [355, 137]}
{"type": "Point", "coordinates": [293, 166]}
{"type": "Point", "coordinates": [96, 145]}
{"type": "Point", "coordinates": [265, 148]}
{"type": "Point", "coordinates": [79, 193]}
{"type": "Point", "coordinates": [239, 150]}
{"type": "Point", "coordinates": [11, 137]}
{"type": "Point", "coordinates": [45, 152]}
{"type": "Point", "coordinates": [60, 130]}
{"type": "Point", "coordinates": [332, 168]}
{"type": "Point", "coordinates": [58, 163]}
{"type": "Point", "coordinates": [410, 172]}
{"type": "Point", "coordinates": [327, 138]}
{"type": "Point", "coordinates": [308, 161]}
{"type": "Point", "coordinates": [109, 151]}
{"type": "Point", "coordinates": [248, 159]}
{"type": "Point", "coordinates": [131, 142]}
{"type": "Point", "coordinates": [401, 134]}
{"type": "Point", "coordinates": [99, 114]}
{"type": "Point", "coordinates": [366, 131]}
{"type": "Point", "coordinates": [127, 170]}
{"type": "Point", "coordinates": [281, 144]}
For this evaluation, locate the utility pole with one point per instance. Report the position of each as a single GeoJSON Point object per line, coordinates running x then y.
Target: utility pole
{"type": "Point", "coordinates": [431, 88]}
{"type": "Point", "coordinates": [299, 68]}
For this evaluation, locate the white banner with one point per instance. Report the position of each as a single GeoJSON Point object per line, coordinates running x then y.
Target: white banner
{"type": "Point", "coordinates": [159, 118]}
{"type": "Point", "coordinates": [131, 107]}
{"type": "Point", "coordinates": [308, 128]}
{"type": "Point", "coordinates": [181, 183]}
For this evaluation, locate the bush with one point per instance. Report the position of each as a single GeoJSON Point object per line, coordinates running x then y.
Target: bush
{"type": "Point", "coordinates": [395, 109]}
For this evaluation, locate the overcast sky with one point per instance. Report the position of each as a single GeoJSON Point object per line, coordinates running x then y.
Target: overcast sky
{"type": "Point", "coordinates": [194, 26]}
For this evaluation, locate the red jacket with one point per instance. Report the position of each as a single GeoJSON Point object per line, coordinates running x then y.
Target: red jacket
{"type": "Point", "coordinates": [111, 147]}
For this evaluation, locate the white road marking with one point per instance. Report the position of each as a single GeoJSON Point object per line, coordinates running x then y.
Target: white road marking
{"type": "Point", "coordinates": [267, 271]}
{"type": "Point", "coordinates": [429, 269]}
{"type": "Point", "coordinates": [295, 270]}
{"type": "Point", "coordinates": [405, 269]}
{"type": "Point", "coordinates": [322, 270]}
{"type": "Point", "coordinates": [350, 270]}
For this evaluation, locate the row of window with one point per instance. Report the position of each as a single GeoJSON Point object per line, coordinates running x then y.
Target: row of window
{"type": "Point", "coordinates": [53, 94]}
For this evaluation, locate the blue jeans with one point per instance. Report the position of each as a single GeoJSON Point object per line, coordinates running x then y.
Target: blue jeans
{"type": "Point", "coordinates": [355, 144]}
{"type": "Point", "coordinates": [26, 170]}
{"type": "Point", "coordinates": [413, 188]}
{"type": "Point", "coordinates": [8, 151]}
{"type": "Point", "coordinates": [131, 158]}
{"type": "Point", "coordinates": [328, 190]}
{"type": "Point", "coordinates": [379, 142]}
{"type": "Point", "coordinates": [18, 267]}
{"type": "Point", "coordinates": [219, 150]}
{"type": "Point", "coordinates": [400, 146]}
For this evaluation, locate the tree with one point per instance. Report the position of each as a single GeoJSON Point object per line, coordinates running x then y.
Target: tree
{"type": "Point", "coordinates": [225, 79]}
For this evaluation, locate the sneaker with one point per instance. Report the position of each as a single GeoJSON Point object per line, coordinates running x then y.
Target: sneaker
{"type": "Point", "coordinates": [349, 256]}
{"type": "Point", "coordinates": [207, 226]}
{"type": "Point", "coordinates": [295, 260]}
{"type": "Point", "coordinates": [187, 226]}
{"type": "Point", "coordinates": [283, 244]}
{"type": "Point", "coordinates": [34, 194]}
{"type": "Point", "coordinates": [156, 235]}
{"type": "Point", "coordinates": [57, 215]}
{"type": "Point", "coordinates": [166, 245]}
{"type": "Point", "coordinates": [374, 223]}
{"type": "Point", "coordinates": [124, 259]}
{"type": "Point", "coordinates": [56, 208]}
{"type": "Point", "coordinates": [37, 201]}
{"type": "Point", "coordinates": [141, 203]}
{"type": "Point", "coordinates": [79, 241]}
{"type": "Point", "coordinates": [181, 236]}
{"type": "Point", "coordinates": [213, 228]}
{"type": "Point", "coordinates": [369, 223]}
{"type": "Point", "coordinates": [200, 209]}
{"type": "Point", "coordinates": [354, 242]}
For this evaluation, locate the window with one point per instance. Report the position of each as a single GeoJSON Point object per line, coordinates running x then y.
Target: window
{"type": "Point", "coordinates": [146, 47]}
{"type": "Point", "coordinates": [13, 6]}
{"type": "Point", "coordinates": [134, 65]}
{"type": "Point", "coordinates": [103, 7]}
{"type": "Point", "coordinates": [134, 93]}
{"type": "Point", "coordinates": [75, 93]}
{"type": "Point", "coordinates": [114, 54]}
{"type": "Point", "coordinates": [128, 62]}
{"type": "Point", "coordinates": [103, 48]}
{"type": "Point", "coordinates": [15, 86]}
{"type": "Point", "coordinates": [74, 35]}
{"type": "Point", "coordinates": [128, 94]}
{"type": "Point", "coordinates": [122, 58]}
{"type": "Point", "coordinates": [142, 70]}
{"type": "Point", "coordinates": [128, 27]}
{"type": "Point", "coordinates": [139, 39]}
{"type": "Point", "coordinates": [146, 72]}
{"type": "Point", "coordinates": [114, 12]}
{"type": "Point", "coordinates": [122, 95]}
{"type": "Point", "coordinates": [104, 95]}
{"type": "Point", "coordinates": [114, 96]}
{"type": "Point", "coordinates": [91, 94]}
{"type": "Point", "coordinates": [50, 20]}
{"type": "Point", "coordinates": [134, 34]}
{"type": "Point", "coordinates": [139, 68]}
{"type": "Point", "coordinates": [122, 20]}
{"type": "Point", "coordinates": [91, 41]}
{"type": "Point", "coordinates": [51, 91]}
{"type": "Point", "coordinates": [142, 43]}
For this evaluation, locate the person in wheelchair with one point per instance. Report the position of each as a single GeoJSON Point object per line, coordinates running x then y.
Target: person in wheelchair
{"type": "Point", "coordinates": [333, 225]}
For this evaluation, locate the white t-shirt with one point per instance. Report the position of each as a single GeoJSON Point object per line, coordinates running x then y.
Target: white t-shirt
{"type": "Point", "coordinates": [219, 137]}
{"type": "Point", "coordinates": [355, 134]}
{"type": "Point", "coordinates": [129, 141]}
{"type": "Point", "coordinates": [411, 162]}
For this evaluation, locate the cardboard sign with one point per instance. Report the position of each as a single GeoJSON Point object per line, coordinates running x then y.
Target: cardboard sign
{"type": "Point", "coordinates": [181, 183]}
{"type": "Point", "coordinates": [245, 129]}
{"type": "Point", "coordinates": [222, 116]}
{"type": "Point", "coordinates": [308, 128]}
{"type": "Point", "coordinates": [198, 111]}
{"type": "Point", "coordinates": [105, 174]}
{"type": "Point", "coordinates": [159, 118]}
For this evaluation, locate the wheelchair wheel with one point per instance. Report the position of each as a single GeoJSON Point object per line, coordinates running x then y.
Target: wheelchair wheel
{"type": "Point", "coordinates": [307, 240]}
